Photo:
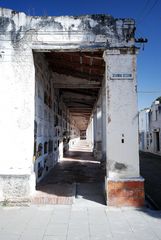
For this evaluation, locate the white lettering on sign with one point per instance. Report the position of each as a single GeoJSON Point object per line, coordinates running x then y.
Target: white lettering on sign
{"type": "Point", "coordinates": [126, 76]}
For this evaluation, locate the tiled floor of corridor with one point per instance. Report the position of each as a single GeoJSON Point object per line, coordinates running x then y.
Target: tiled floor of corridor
{"type": "Point", "coordinates": [77, 178]}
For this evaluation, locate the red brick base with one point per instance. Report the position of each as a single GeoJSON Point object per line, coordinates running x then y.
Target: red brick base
{"type": "Point", "coordinates": [125, 192]}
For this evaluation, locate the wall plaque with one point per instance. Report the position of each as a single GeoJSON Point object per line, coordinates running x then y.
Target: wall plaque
{"type": "Point", "coordinates": [121, 76]}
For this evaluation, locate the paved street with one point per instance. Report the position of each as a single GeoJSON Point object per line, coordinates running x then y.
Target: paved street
{"type": "Point", "coordinates": [78, 223]}
{"type": "Point", "coordinates": [150, 166]}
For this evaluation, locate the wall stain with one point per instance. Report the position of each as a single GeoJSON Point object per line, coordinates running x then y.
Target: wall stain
{"type": "Point", "coordinates": [109, 119]}
{"type": "Point", "coordinates": [120, 166]}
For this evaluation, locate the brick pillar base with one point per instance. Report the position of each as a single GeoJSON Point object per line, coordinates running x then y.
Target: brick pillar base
{"type": "Point", "coordinates": [125, 192]}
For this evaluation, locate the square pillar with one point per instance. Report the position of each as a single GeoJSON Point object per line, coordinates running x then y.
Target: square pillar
{"type": "Point", "coordinates": [89, 133]}
{"type": "Point", "coordinates": [17, 177]}
{"type": "Point", "coordinates": [98, 131]}
{"type": "Point", "coordinates": [103, 110]}
{"type": "Point", "coordinates": [124, 186]}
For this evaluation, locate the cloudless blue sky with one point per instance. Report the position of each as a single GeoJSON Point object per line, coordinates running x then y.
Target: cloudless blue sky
{"type": "Point", "coordinates": [147, 14]}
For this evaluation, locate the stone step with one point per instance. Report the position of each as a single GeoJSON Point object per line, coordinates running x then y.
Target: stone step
{"type": "Point", "coordinates": [68, 194]}
{"type": "Point", "coordinates": [60, 193]}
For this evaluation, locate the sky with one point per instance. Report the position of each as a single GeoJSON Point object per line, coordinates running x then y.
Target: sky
{"type": "Point", "coordinates": [147, 14]}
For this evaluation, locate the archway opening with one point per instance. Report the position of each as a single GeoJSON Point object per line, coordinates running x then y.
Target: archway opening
{"type": "Point", "coordinates": [67, 88]}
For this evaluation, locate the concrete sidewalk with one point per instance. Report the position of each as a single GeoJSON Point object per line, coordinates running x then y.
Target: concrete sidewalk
{"type": "Point", "coordinates": [78, 222]}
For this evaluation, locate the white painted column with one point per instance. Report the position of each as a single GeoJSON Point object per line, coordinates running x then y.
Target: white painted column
{"type": "Point", "coordinates": [89, 133]}
{"type": "Point", "coordinates": [94, 130]}
{"type": "Point", "coordinates": [92, 133]}
{"type": "Point", "coordinates": [104, 130]}
{"type": "Point", "coordinates": [122, 128]}
{"type": "Point", "coordinates": [99, 121]}
{"type": "Point", "coordinates": [98, 131]}
{"type": "Point", "coordinates": [17, 103]}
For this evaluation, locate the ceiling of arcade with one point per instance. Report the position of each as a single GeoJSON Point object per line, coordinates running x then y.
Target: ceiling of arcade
{"type": "Point", "coordinates": [81, 78]}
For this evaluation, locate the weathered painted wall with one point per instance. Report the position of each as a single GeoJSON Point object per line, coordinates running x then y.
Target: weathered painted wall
{"type": "Point", "coordinates": [122, 115]}
{"type": "Point", "coordinates": [68, 32]}
{"type": "Point", "coordinates": [124, 186]}
{"type": "Point", "coordinates": [17, 104]}
{"type": "Point", "coordinates": [20, 35]}
{"type": "Point", "coordinates": [144, 136]}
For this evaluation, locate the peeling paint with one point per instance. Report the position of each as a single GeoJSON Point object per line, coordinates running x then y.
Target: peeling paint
{"type": "Point", "coordinates": [99, 29]}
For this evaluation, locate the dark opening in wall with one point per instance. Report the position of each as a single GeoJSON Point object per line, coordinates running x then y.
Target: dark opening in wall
{"type": "Point", "coordinates": [39, 150]}
{"type": "Point", "coordinates": [50, 148]}
{"type": "Point", "coordinates": [35, 129]}
{"type": "Point", "coordinates": [45, 147]}
{"type": "Point", "coordinates": [50, 102]}
{"type": "Point", "coordinates": [82, 134]}
{"type": "Point", "coordinates": [45, 98]}
{"type": "Point", "coordinates": [56, 121]}
{"type": "Point", "coordinates": [35, 145]}
{"type": "Point", "coordinates": [40, 170]}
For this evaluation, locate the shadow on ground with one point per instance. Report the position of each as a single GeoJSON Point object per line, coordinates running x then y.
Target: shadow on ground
{"type": "Point", "coordinates": [77, 176]}
{"type": "Point", "coordinates": [150, 168]}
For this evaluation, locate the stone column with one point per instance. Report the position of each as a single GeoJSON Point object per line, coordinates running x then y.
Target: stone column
{"type": "Point", "coordinates": [94, 131]}
{"type": "Point", "coordinates": [124, 185]}
{"type": "Point", "coordinates": [103, 110]}
{"type": "Point", "coordinates": [89, 133]}
{"type": "Point", "coordinates": [98, 131]}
